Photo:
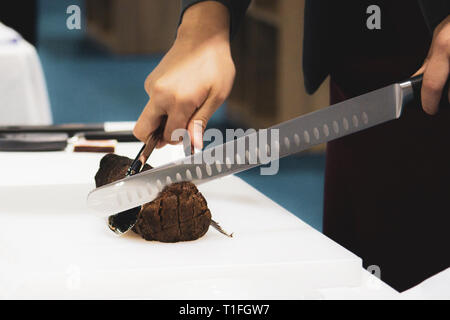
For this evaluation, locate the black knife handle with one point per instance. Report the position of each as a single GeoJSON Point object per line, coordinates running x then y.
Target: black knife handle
{"type": "Point", "coordinates": [121, 136]}
{"type": "Point", "coordinates": [416, 84]}
{"type": "Point", "coordinates": [33, 141]}
{"type": "Point", "coordinates": [70, 128]}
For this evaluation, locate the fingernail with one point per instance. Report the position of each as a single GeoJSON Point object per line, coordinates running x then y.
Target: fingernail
{"type": "Point", "coordinates": [198, 134]}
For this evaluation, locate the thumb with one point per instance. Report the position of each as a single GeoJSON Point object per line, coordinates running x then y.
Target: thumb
{"type": "Point", "coordinates": [422, 68]}
{"type": "Point", "coordinates": [148, 121]}
{"type": "Point", "coordinates": [197, 123]}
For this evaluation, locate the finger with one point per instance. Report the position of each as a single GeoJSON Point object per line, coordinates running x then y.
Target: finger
{"type": "Point", "coordinates": [422, 68]}
{"type": "Point", "coordinates": [148, 121]}
{"type": "Point", "coordinates": [176, 120]}
{"type": "Point", "coordinates": [199, 120]}
{"type": "Point", "coordinates": [434, 78]}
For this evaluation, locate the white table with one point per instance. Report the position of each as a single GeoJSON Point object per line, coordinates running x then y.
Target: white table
{"type": "Point", "coordinates": [23, 92]}
{"type": "Point", "coordinates": [436, 287]}
{"type": "Point", "coordinates": [53, 246]}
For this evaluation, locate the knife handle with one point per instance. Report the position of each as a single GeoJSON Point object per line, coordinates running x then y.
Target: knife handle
{"type": "Point", "coordinates": [120, 136]}
{"type": "Point", "coordinates": [416, 84]}
{"type": "Point", "coordinates": [152, 140]}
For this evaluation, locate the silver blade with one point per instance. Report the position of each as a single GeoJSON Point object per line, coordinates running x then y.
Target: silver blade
{"type": "Point", "coordinates": [295, 135]}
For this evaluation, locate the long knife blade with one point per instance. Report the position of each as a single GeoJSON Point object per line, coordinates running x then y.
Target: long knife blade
{"type": "Point", "coordinates": [295, 135]}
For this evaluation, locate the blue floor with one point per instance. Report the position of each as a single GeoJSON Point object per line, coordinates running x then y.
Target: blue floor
{"type": "Point", "coordinates": [88, 84]}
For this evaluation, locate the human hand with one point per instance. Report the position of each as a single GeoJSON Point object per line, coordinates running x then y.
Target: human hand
{"type": "Point", "coordinates": [193, 79]}
{"type": "Point", "coordinates": [436, 68]}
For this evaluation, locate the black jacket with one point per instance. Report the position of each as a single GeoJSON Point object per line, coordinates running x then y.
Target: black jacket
{"type": "Point", "coordinates": [317, 58]}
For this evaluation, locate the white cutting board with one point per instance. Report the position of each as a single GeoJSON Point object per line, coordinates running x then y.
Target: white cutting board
{"type": "Point", "coordinates": [53, 246]}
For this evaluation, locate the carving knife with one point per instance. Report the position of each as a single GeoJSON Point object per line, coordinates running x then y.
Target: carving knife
{"type": "Point", "coordinates": [295, 135]}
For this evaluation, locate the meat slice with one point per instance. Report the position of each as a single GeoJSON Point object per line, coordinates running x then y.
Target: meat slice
{"type": "Point", "coordinates": [179, 213]}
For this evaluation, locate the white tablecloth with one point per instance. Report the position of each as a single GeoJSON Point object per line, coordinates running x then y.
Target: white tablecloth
{"type": "Point", "coordinates": [436, 287]}
{"type": "Point", "coordinates": [23, 92]}
{"type": "Point", "coordinates": [273, 254]}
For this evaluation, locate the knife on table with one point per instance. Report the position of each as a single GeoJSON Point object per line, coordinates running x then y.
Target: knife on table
{"type": "Point", "coordinates": [44, 137]}
{"type": "Point", "coordinates": [295, 135]}
{"type": "Point", "coordinates": [70, 128]}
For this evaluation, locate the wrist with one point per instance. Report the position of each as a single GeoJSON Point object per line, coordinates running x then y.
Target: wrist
{"type": "Point", "coordinates": [205, 21]}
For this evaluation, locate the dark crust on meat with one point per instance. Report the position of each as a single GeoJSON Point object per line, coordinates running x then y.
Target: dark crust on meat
{"type": "Point", "coordinates": [113, 168]}
{"type": "Point", "coordinates": [179, 213]}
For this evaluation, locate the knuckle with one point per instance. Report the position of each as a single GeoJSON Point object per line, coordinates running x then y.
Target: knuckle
{"type": "Point", "coordinates": [162, 94]}
{"type": "Point", "coordinates": [219, 97]}
{"type": "Point", "coordinates": [148, 83]}
{"type": "Point", "coordinates": [158, 87]}
{"type": "Point", "coordinates": [137, 133]}
{"type": "Point", "coordinates": [443, 42]}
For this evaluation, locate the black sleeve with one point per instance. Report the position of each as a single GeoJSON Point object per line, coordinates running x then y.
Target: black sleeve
{"type": "Point", "coordinates": [237, 10]}
{"type": "Point", "coordinates": [434, 12]}
{"type": "Point", "coordinates": [13, 15]}
{"type": "Point", "coordinates": [316, 43]}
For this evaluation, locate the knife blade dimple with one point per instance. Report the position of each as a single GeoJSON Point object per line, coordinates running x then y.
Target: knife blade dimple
{"type": "Point", "coordinates": [294, 136]}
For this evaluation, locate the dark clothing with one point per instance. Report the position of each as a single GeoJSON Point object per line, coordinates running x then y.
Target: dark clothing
{"type": "Point", "coordinates": [386, 188]}
{"type": "Point", "coordinates": [386, 195]}
{"type": "Point", "coordinates": [363, 59]}
{"type": "Point", "coordinates": [22, 17]}
{"type": "Point", "coordinates": [326, 19]}
{"type": "Point", "coordinates": [336, 28]}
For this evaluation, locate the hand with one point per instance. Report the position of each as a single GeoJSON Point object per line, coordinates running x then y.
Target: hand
{"type": "Point", "coordinates": [193, 79]}
{"type": "Point", "coordinates": [436, 68]}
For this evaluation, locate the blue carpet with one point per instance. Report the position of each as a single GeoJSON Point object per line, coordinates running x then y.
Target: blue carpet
{"type": "Point", "coordinates": [88, 84]}
{"type": "Point", "coordinates": [85, 83]}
